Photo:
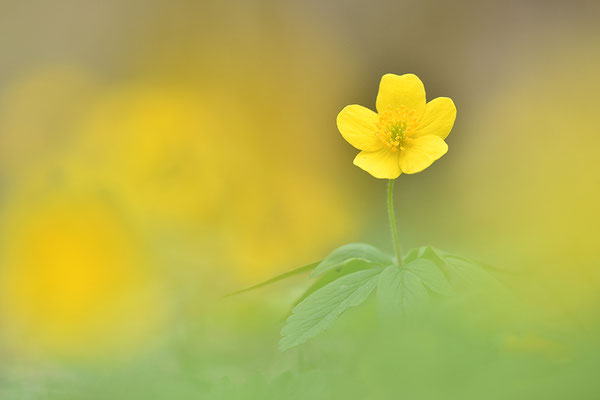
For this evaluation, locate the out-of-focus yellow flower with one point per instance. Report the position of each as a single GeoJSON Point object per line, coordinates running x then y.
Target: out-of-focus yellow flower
{"type": "Point", "coordinates": [405, 135]}
{"type": "Point", "coordinates": [174, 162]}
{"type": "Point", "coordinates": [154, 146]}
{"type": "Point", "coordinates": [75, 281]}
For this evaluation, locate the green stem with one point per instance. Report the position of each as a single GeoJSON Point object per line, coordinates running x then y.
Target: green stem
{"type": "Point", "coordinates": [393, 227]}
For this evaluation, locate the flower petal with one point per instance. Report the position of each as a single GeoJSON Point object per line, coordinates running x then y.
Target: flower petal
{"type": "Point", "coordinates": [438, 118]}
{"type": "Point", "coordinates": [382, 164]}
{"type": "Point", "coordinates": [419, 153]}
{"type": "Point", "coordinates": [358, 125]}
{"type": "Point", "coordinates": [401, 90]}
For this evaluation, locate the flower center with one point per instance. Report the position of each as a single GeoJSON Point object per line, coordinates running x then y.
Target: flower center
{"type": "Point", "coordinates": [395, 126]}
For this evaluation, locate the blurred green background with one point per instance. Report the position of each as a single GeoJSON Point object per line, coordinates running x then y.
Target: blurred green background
{"type": "Point", "coordinates": [156, 155]}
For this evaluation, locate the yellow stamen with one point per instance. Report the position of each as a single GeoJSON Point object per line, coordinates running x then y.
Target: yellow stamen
{"type": "Point", "coordinates": [395, 126]}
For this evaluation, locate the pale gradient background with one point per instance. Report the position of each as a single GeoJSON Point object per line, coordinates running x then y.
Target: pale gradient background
{"type": "Point", "coordinates": [155, 155]}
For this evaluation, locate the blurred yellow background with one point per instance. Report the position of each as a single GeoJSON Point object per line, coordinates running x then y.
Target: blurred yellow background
{"type": "Point", "coordinates": [156, 155]}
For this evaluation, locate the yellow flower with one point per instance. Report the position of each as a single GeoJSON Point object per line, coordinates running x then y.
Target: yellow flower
{"type": "Point", "coordinates": [405, 135]}
{"type": "Point", "coordinates": [75, 281]}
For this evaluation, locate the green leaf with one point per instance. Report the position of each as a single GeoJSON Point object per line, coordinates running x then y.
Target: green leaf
{"type": "Point", "coordinates": [460, 271]}
{"type": "Point", "coordinates": [332, 275]}
{"type": "Point", "coordinates": [276, 279]}
{"type": "Point", "coordinates": [399, 291]}
{"type": "Point", "coordinates": [469, 274]}
{"type": "Point", "coordinates": [320, 310]}
{"type": "Point", "coordinates": [430, 274]}
{"type": "Point", "coordinates": [412, 255]}
{"type": "Point", "coordinates": [449, 257]}
{"type": "Point", "coordinates": [351, 252]}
